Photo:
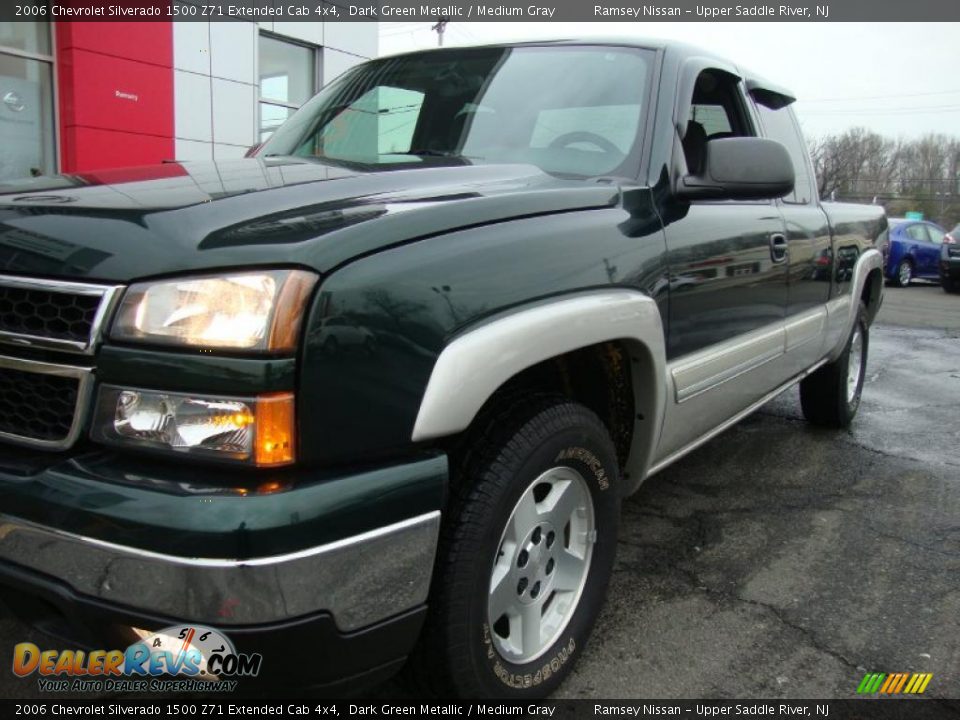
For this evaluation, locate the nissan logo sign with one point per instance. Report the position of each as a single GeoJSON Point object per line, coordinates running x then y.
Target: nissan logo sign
{"type": "Point", "coordinates": [13, 101]}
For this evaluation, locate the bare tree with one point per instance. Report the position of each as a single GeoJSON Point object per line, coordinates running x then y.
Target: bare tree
{"type": "Point", "coordinates": [862, 166]}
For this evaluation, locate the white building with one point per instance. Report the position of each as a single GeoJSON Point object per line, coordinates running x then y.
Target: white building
{"type": "Point", "coordinates": [81, 96]}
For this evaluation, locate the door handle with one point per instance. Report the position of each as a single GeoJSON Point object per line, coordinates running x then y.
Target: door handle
{"type": "Point", "coordinates": [778, 247]}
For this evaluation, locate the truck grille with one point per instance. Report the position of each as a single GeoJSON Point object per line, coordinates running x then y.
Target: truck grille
{"type": "Point", "coordinates": [44, 404]}
{"type": "Point", "coordinates": [38, 313]}
{"type": "Point", "coordinates": [52, 314]}
{"type": "Point", "coordinates": [35, 406]}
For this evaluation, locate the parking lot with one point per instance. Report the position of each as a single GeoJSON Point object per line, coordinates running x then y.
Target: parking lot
{"type": "Point", "coordinates": [782, 561]}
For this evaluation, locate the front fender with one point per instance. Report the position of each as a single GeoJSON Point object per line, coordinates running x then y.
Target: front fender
{"type": "Point", "coordinates": [483, 358]}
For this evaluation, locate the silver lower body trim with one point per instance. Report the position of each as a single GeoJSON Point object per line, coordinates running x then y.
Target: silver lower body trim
{"type": "Point", "coordinates": [693, 445]}
{"type": "Point", "coordinates": [726, 361]}
{"type": "Point", "coordinates": [360, 580]}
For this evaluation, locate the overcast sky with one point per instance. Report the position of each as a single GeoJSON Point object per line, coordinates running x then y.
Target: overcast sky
{"type": "Point", "coordinates": [896, 79]}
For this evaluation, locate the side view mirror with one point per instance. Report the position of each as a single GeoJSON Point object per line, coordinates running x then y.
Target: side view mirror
{"type": "Point", "coordinates": [740, 168]}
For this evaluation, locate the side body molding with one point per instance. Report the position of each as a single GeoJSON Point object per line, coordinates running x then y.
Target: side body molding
{"type": "Point", "coordinates": [480, 360]}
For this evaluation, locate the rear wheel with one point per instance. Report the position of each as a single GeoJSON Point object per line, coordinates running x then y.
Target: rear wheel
{"type": "Point", "coordinates": [904, 273]}
{"type": "Point", "coordinates": [831, 396]}
{"type": "Point", "coordinates": [949, 284]}
{"type": "Point", "coordinates": [526, 553]}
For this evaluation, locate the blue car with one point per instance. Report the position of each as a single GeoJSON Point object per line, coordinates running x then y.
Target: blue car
{"type": "Point", "coordinates": [913, 251]}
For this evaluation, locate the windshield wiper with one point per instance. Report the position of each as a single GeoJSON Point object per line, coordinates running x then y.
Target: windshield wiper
{"type": "Point", "coordinates": [428, 153]}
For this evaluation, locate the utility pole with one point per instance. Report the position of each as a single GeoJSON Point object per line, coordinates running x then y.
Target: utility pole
{"type": "Point", "coordinates": [439, 28]}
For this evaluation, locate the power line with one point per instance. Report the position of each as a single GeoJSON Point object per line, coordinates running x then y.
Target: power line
{"type": "Point", "coordinates": [884, 111]}
{"type": "Point", "coordinates": [881, 97]}
{"type": "Point", "coordinates": [404, 28]}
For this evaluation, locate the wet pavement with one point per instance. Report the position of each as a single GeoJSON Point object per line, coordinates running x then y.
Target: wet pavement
{"type": "Point", "coordinates": [786, 561]}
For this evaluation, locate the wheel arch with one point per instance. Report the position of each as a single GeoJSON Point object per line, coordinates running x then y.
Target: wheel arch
{"type": "Point", "coordinates": [576, 345]}
{"type": "Point", "coordinates": [866, 286]}
{"type": "Point", "coordinates": [872, 294]}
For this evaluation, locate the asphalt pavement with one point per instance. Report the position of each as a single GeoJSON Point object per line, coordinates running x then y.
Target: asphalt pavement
{"type": "Point", "coordinates": [782, 560]}
{"type": "Point", "coordinates": [923, 304]}
{"type": "Point", "coordinates": [785, 561]}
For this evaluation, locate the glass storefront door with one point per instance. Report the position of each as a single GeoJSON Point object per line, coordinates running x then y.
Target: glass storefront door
{"type": "Point", "coordinates": [27, 132]}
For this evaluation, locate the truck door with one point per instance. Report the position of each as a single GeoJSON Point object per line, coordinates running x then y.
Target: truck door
{"type": "Point", "coordinates": [727, 259]}
{"type": "Point", "coordinates": [809, 252]}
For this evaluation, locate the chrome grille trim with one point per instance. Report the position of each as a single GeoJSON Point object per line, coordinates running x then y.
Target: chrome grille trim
{"type": "Point", "coordinates": [84, 377]}
{"type": "Point", "coordinates": [108, 294]}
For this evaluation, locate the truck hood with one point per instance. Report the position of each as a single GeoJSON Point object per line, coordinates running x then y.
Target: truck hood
{"type": "Point", "coordinates": [130, 223]}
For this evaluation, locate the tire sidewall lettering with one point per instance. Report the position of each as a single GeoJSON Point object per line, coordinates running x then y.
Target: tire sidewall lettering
{"type": "Point", "coordinates": [589, 460]}
{"type": "Point", "coordinates": [545, 668]}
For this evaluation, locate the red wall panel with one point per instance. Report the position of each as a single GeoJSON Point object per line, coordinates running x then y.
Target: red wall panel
{"type": "Point", "coordinates": [116, 94]}
{"type": "Point", "coordinates": [96, 149]}
{"type": "Point", "coordinates": [150, 42]}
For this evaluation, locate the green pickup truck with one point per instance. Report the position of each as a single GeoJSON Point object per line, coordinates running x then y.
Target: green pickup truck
{"type": "Point", "coordinates": [373, 396]}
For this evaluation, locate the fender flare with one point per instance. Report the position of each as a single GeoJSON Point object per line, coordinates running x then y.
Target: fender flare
{"type": "Point", "coordinates": [480, 360]}
{"type": "Point", "coordinates": [870, 260]}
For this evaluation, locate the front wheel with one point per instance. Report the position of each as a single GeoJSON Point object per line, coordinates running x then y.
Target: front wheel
{"type": "Point", "coordinates": [525, 557]}
{"type": "Point", "coordinates": [831, 396]}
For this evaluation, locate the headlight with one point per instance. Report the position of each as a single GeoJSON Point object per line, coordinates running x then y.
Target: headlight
{"type": "Point", "coordinates": [244, 311]}
{"type": "Point", "coordinates": [256, 431]}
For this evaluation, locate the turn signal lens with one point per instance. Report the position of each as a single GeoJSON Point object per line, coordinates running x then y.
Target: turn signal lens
{"type": "Point", "coordinates": [274, 444]}
{"type": "Point", "coordinates": [257, 431]}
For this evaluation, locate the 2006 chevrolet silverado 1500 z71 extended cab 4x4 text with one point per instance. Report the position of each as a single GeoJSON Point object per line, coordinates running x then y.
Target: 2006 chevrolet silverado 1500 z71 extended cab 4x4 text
{"type": "Point", "coordinates": [379, 390]}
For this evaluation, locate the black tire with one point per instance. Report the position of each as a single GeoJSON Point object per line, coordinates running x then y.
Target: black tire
{"type": "Point", "coordinates": [457, 656]}
{"type": "Point", "coordinates": [824, 394]}
{"type": "Point", "coordinates": [897, 279]}
{"type": "Point", "coordinates": [950, 285]}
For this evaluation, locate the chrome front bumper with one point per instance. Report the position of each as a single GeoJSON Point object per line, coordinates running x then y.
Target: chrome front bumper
{"type": "Point", "coordinates": [359, 580]}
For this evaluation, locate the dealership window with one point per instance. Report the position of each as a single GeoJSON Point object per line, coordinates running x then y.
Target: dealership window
{"type": "Point", "coordinates": [27, 134]}
{"type": "Point", "coordinates": [288, 78]}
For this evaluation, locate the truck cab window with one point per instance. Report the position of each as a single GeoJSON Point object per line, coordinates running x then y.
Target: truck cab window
{"type": "Point", "coordinates": [716, 111]}
{"type": "Point", "coordinates": [781, 126]}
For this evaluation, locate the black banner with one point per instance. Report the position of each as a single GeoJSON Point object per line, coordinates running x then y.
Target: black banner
{"type": "Point", "coordinates": [492, 11]}
{"type": "Point", "coordinates": [216, 707]}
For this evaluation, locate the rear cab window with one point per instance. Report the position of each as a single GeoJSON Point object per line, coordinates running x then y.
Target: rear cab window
{"type": "Point", "coordinates": [780, 124]}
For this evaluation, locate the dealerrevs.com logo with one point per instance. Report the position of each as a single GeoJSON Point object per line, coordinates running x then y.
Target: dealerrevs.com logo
{"type": "Point", "coordinates": [181, 658]}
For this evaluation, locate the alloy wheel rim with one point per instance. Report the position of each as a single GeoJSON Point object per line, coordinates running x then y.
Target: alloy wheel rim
{"type": "Point", "coordinates": [854, 366]}
{"type": "Point", "coordinates": [541, 565]}
{"type": "Point", "coordinates": [905, 273]}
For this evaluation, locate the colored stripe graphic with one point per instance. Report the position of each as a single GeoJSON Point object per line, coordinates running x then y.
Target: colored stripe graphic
{"type": "Point", "coordinates": [894, 683]}
{"type": "Point", "coordinates": [873, 681]}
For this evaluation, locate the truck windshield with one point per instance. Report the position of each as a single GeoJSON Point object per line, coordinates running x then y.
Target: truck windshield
{"type": "Point", "coordinates": [572, 110]}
